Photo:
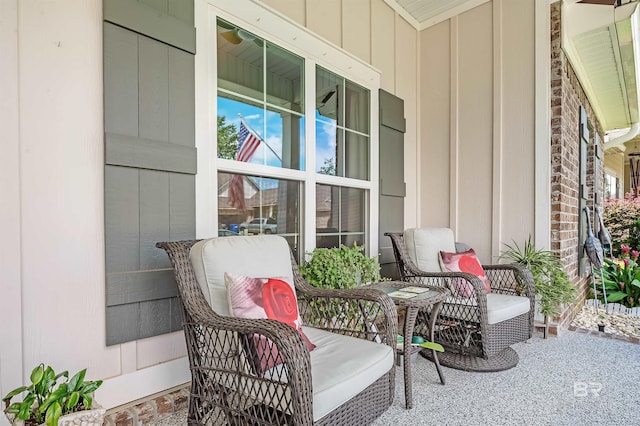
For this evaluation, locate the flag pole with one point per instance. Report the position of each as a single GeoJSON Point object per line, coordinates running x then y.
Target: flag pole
{"type": "Point", "coordinates": [256, 134]}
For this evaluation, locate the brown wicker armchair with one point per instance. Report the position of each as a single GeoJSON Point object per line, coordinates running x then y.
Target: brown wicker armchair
{"type": "Point", "coordinates": [476, 331]}
{"type": "Point", "coordinates": [348, 379]}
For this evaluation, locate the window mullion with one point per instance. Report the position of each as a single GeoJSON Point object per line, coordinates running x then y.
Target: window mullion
{"type": "Point", "coordinates": [309, 210]}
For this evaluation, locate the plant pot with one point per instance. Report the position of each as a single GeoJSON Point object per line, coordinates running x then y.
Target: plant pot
{"type": "Point", "coordinates": [94, 417]}
{"type": "Point", "coordinates": [601, 328]}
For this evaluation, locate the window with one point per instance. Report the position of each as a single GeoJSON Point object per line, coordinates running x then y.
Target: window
{"type": "Point", "coordinates": [267, 130]}
{"type": "Point", "coordinates": [611, 186]}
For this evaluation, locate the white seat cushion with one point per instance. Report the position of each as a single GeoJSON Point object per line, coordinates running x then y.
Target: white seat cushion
{"type": "Point", "coordinates": [263, 256]}
{"type": "Point", "coordinates": [425, 244]}
{"type": "Point", "coordinates": [341, 368]}
{"type": "Point", "coordinates": [500, 307]}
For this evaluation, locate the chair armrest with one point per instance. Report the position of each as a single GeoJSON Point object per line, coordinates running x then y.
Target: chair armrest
{"type": "Point", "coordinates": [511, 279]}
{"type": "Point", "coordinates": [225, 364]}
{"type": "Point", "coordinates": [364, 313]}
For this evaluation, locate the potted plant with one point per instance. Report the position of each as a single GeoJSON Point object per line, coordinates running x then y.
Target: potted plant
{"type": "Point", "coordinates": [43, 402]}
{"type": "Point", "coordinates": [552, 285]}
{"type": "Point", "coordinates": [340, 267]}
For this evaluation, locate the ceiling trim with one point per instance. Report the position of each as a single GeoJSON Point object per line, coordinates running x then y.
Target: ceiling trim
{"type": "Point", "coordinates": [436, 19]}
{"type": "Point", "coordinates": [451, 13]}
{"type": "Point", "coordinates": [403, 12]}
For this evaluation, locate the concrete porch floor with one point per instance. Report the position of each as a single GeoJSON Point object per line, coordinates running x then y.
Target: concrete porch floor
{"type": "Point", "coordinates": [576, 378]}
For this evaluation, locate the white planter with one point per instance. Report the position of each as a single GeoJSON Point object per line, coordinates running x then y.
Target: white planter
{"type": "Point", "coordinates": [83, 418]}
{"type": "Point", "coordinates": [93, 417]}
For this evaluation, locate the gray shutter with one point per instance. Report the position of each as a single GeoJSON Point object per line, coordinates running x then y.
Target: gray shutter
{"type": "Point", "coordinates": [392, 185]}
{"type": "Point", "coordinates": [150, 160]}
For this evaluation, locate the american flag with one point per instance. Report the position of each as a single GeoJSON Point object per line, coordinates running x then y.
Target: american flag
{"type": "Point", "coordinates": [247, 145]}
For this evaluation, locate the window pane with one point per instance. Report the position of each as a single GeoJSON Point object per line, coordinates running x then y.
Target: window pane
{"type": "Point", "coordinates": [327, 135]}
{"type": "Point", "coordinates": [356, 156]}
{"type": "Point", "coordinates": [357, 108]}
{"type": "Point", "coordinates": [251, 205]}
{"type": "Point", "coordinates": [279, 142]}
{"type": "Point", "coordinates": [340, 216]}
{"type": "Point", "coordinates": [240, 60]}
{"type": "Point", "coordinates": [329, 89]}
{"type": "Point", "coordinates": [339, 150]}
{"type": "Point", "coordinates": [285, 79]}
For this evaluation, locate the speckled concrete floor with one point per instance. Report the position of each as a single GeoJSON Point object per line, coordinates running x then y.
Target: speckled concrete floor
{"type": "Point", "coordinates": [573, 379]}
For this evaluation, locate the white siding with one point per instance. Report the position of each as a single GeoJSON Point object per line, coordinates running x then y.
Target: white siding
{"type": "Point", "coordinates": [477, 125]}
{"type": "Point", "coordinates": [10, 221]}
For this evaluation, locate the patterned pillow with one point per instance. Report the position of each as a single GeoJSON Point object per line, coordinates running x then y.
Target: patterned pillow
{"type": "Point", "coordinates": [466, 261]}
{"type": "Point", "coordinates": [260, 298]}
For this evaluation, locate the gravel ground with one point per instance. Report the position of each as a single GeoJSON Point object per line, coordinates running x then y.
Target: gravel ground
{"type": "Point", "coordinates": [615, 323]}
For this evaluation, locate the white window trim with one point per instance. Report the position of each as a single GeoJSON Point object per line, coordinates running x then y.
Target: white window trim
{"type": "Point", "coordinates": [267, 23]}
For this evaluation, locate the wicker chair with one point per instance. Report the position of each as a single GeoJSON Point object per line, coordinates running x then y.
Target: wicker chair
{"type": "Point", "coordinates": [476, 331]}
{"type": "Point", "coordinates": [348, 379]}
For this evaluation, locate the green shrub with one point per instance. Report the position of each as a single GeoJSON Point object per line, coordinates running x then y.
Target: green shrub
{"type": "Point", "coordinates": [340, 267]}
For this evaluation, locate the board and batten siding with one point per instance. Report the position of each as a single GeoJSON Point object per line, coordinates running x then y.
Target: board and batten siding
{"type": "Point", "coordinates": [150, 160]}
{"type": "Point", "coordinates": [477, 115]}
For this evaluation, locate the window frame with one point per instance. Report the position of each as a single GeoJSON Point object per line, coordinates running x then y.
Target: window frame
{"type": "Point", "coordinates": [290, 36]}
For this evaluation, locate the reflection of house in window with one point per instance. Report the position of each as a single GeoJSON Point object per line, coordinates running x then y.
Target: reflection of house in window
{"type": "Point", "coordinates": [258, 203]}
{"type": "Point", "coordinates": [275, 200]}
{"type": "Point", "coordinates": [340, 216]}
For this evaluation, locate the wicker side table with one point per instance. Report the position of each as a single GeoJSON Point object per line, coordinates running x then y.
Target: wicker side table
{"type": "Point", "coordinates": [434, 297]}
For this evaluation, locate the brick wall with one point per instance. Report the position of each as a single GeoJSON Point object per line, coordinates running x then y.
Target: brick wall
{"type": "Point", "coordinates": [150, 410]}
{"type": "Point", "coordinates": [567, 96]}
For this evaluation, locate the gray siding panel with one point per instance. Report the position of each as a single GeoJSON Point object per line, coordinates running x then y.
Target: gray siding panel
{"type": "Point", "coordinates": [145, 19]}
{"type": "Point", "coordinates": [153, 60]}
{"type": "Point", "coordinates": [130, 151]}
{"type": "Point", "coordinates": [140, 286]}
{"type": "Point", "coordinates": [182, 193]}
{"type": "Point", "coordinates": [122, 323]}
{"type": "Point", "coordinates": [392, 174]}
{"type": "Point", "coordinates": [392, 112]}
{"type": "Point", "coordinates": [176, 314]}
{"type": "Point", "coordinates": [154, 318]}
{"type": "Point", "coordinates": [181, 103]}
{"type": "Point", "coordinates": [121, 80]}
{"type": "Point", "coordinates": [392, 186]}
{"type": "Point", "coordinates": [154, 218]}
{"type": "Point", "coordinates": [122, 219]}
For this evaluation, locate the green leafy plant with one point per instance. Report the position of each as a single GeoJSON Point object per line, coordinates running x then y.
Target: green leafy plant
{"type": "Point", "coordinates": [340, 267]}
{"type": "Point", "coordinates": [622, 278]}
{"type": "Point", "coordinates": [552, 283]}
{"type": "Point", "coordinates": [44, 404]}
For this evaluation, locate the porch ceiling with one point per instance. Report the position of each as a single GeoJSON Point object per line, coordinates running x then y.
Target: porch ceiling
{"type": "Point", "coordinates": [602, 44]}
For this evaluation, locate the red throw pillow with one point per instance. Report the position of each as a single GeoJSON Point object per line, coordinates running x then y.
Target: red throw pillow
{"type": "Point", "coordinates": [271, 298]}
{"type": "Point", "coordinates": [466, 261]}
